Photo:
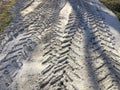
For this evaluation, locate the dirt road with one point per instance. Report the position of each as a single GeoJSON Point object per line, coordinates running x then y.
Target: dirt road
{"type": "Point", "coordinates": [59, 45]}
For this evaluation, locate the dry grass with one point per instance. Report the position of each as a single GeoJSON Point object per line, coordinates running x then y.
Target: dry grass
{"type": "Point", "coordinates": [5, 16]}
{"type": "Point", "coordinates": [114, 5]}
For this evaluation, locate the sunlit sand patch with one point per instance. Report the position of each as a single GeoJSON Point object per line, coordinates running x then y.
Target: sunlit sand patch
{"type": "Point", "coordinates": [29, 75]}
{"type": "Point", "coordinates": [31, 7]}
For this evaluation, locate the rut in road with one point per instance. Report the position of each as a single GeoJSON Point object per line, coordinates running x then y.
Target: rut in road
{"type": "Point", "coordinates": [58, 45]}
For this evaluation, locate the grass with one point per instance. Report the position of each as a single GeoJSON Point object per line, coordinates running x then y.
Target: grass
{"type": "Point", "coordinates": [5, 16]}
{"type": "Point", "coordinates": [114, 5]}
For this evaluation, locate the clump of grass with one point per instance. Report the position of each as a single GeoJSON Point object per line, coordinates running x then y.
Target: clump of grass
{"type": "Point", "coordinates": [114, 5]}
{"type": "Point", "coordinates": [5, 16]}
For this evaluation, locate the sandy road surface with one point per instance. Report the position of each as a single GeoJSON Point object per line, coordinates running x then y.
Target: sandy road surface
{"type": "Point", "coordinates": [61, 45]}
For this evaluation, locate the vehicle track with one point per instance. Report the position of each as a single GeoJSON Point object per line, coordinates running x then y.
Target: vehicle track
{"type": "Point", "coordinates": [69, 39]}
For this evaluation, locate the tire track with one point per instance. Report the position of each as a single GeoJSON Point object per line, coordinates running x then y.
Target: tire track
{"type": "Point", "coordinates": [21, 46]}
{"type": "Point", "coordinates": [76, 49]}
{"type": "Point", "coordinates": [100, 61]}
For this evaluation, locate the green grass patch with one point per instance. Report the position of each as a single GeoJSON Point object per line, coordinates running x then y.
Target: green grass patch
{"type": "Point", "coordinates": [5, 16]}
{"type": "Point", "coordinates": [114, 5]}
